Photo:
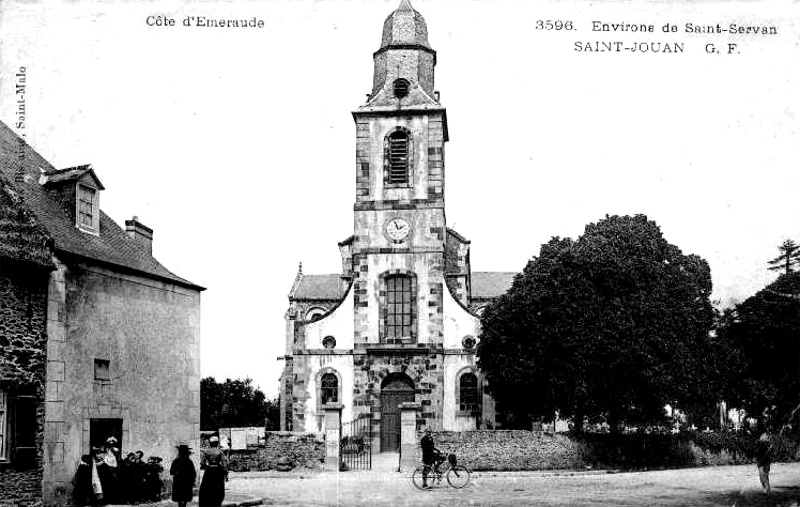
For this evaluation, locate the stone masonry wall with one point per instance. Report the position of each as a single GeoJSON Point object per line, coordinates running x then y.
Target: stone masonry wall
{"type": "Point", "coordinates": [305, 450]}
{"type": "Point", "coordinates": [23, 337]}
{"type": "Point", "coordinates": [506, 450]}
{"type": "Point", "coordinates": [148, 334]}
{"type": "Point", "coordinates": [425, 370]}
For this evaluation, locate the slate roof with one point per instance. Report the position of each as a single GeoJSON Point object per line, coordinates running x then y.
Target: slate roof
{"type": "Point", "coordinates": [485, 285]}
{"type": "Point", "coordinates": [404, 27]}
{"type": "Point", "coordinates": [73, 174]}
{"type": "Point", "coordinates": [491, 284]}
{"type": "Point", "coordinates": [318, 287]}
{"type": "Point", "coordinates": [21, 168]}
{"type": "Point", "coordinates": [21, 237]}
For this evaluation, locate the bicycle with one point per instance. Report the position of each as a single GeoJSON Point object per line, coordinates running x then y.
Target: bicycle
{"type": "Point", "coordinates": [457, 475]}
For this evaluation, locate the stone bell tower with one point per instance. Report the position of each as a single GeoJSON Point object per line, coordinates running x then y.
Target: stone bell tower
{"type": "Point", "coordinates": [399, 219]}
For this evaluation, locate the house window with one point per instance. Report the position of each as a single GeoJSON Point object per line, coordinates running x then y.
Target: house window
{"type": "Point", "coordinates": [398, 153]}
{"type": "Point", "coordinates": [101, 367]}
{"type": "Point", "coordinates": [24, 424]}
{"type": "Point", "coordinates": [87, 208]}
{"type": "Point", "coordinates": [399, 307]}
{"type": "Point", "coordinates": [3, 425]}
{"type": "Point", "coordinates": [329, 388]}
{"type": "Point", "coordinates": [468, 393]}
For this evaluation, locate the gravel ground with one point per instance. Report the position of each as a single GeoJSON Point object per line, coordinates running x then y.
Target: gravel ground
{"type": "Point", "coordinates": [712, 486]}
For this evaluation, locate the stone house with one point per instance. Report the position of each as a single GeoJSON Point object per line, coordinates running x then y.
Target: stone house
{"type": "Point", "coordinates": [97, 338]}
{"type": "Point", "coordinates": [400, 322]}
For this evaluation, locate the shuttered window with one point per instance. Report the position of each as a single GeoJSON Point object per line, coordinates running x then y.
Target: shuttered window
{"type": "Point", "coordinates": [3, 425]}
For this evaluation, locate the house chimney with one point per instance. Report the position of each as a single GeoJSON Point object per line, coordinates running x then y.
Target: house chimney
{"type": "Point", "coordinates": [140, 233]}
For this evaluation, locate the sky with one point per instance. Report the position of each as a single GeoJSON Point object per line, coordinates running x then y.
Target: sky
{"type": "Point", "coordinates": [237, 146]}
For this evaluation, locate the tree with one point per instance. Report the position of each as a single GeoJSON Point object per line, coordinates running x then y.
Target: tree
{"type": "Point", "coordinates": [789, 257]}
{"type": "Point", "coordinates": [235, 404]}
{"type": "Point", "coordinates": [764, 332]}
{"type": "Point", "coordinates": [611, 327]}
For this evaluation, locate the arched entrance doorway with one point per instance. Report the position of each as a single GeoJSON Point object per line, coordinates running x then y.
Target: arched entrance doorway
{"type": "Point", "coordinates": [397, 388]}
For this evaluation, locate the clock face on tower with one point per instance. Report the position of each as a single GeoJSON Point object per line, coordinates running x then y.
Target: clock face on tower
{"type": "Point", "coordinates": [397, 229]}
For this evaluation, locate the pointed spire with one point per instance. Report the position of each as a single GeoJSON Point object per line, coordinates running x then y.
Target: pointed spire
{"type": "Point", "coordinates": [405, 5]}
{"type": "Point", "coordinates": [300, 268]}
{"type": "Point", "coordinates": [405, 26]}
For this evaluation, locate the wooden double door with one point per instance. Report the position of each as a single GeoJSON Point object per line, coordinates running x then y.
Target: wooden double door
{"type": "Point", "coordinates": [396, 389]}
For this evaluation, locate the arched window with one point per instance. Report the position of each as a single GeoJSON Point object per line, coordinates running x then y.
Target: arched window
{"type": "Point", "coordinates": [398, 158]}
{"type": "Point", "coordinates": [399, 307]}
{"type": "Point", "coordinates": [329, 388]}
{"type": "Point", "coordinates": [469, 396]}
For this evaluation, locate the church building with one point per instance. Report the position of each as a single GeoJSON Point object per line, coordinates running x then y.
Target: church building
{"type": "Point", "coordinates": [400, 322]}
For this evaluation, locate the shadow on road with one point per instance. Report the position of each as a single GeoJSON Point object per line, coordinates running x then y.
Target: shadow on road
{"type": "Point", "coordinates": [781, 496]}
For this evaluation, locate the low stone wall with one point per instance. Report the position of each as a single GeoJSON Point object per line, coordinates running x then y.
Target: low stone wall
{"type": "Point", "coordinates": [20, 487]}
{"type": "Point", "coordinates": [304, 450]}
{"type": "Point", "coordinates": [507, 449]}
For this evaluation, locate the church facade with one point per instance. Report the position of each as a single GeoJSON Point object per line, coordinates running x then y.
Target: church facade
{"type": "Point", "coordinates": [400, 322]}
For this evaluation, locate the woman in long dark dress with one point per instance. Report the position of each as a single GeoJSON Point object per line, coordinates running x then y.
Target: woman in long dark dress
{"type": "Point", "coordinates": [212, 487]}
{"type": "Point", "coordinates": [184, 475]}
{"type": "Point", "coordinates": [82, 492]}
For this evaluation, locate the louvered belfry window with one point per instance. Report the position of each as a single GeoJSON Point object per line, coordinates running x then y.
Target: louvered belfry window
{"type": "Point", "coordinates": [398, 158]}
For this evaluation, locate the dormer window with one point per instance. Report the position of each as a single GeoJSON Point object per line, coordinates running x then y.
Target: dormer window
{"type": "Point", "coordinates": [88, 213]}
{"type": "Point", "coordinates": [77, 189]}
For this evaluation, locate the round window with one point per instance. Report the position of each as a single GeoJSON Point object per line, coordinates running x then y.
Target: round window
{"type": "Point", "coordinates": [401, 88]}
{"type": "Point", "coordinates": [469, 342]}
{"type": "Point", "coordinates": [329, 342]}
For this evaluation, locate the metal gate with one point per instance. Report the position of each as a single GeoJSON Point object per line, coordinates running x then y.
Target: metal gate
{"type": "Point", "coordinates": [355, 446]}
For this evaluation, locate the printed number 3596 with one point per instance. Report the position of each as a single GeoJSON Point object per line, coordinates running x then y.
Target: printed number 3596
{"type": "Point", "coordinates": [553, 25]}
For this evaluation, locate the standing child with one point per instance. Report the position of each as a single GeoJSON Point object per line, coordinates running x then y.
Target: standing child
{"type": "Point", "coordinates": [184, 474]}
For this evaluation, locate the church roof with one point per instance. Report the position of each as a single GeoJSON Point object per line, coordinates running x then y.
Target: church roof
{"type": "Point", "coordinates": [485, 285]}
{"type": "Point", "coordinates": [318, 287]}
{"type": "Point", "coordinates": [405, 26]}
{"type": "Point", "coordinates": [21, 168]}
{"type": "Point", "coordinates": [491, 284]}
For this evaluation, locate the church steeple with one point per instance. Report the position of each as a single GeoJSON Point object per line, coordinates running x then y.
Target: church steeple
{"type": "Point", "coordinates": [403, 73]}
{"type": "Point", "coordinates": [400, 136]}
{"type": "Point", "coordinates": [405, 26]}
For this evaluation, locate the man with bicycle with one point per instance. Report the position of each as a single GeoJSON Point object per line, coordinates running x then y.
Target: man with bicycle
{"type": "Point", "coordinates": [431, 456]}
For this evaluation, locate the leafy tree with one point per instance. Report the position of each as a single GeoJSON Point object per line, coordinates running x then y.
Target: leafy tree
{"type": "Point", "coordinates": [611, 327]}
{"type": "Point", "coordinates": [788, 259]}
{"type": "Point", "coordinates": [764, 333]}
{"type": "Point", "coordinates": [235, 404]}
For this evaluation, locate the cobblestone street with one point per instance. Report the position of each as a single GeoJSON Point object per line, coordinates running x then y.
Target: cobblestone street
{"type": "Point", "coordinates": [712, 486]}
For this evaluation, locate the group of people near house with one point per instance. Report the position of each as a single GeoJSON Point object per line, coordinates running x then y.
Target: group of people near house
{"type": "Point", "coordinates": [102, 478]}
